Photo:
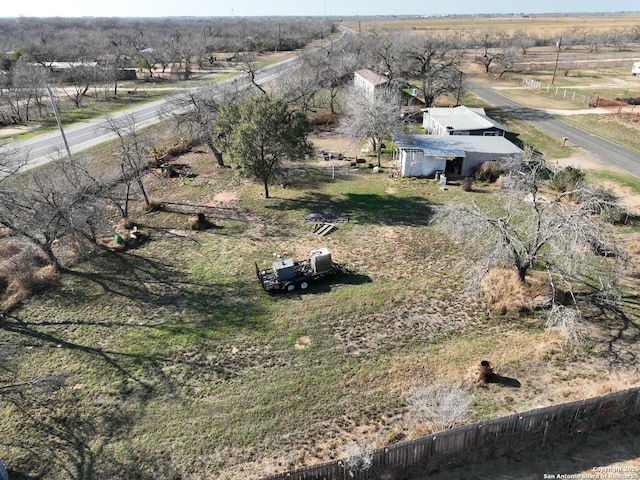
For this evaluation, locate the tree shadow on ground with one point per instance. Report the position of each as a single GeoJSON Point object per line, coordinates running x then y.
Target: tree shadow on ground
{"type": "Point", "coordinates": [368, 208]}
{"type": "Point", "coordinates": [60, 433]}
{"type": "Point", "coordinates": [527, 114]}
{"type": "Point", "coordinates": [618, 325]}
{"type": "Point", "coordinates": [151, 284]}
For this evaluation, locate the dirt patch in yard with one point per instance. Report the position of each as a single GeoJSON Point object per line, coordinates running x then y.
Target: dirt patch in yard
{"type": "Point", "coordinates": [225, 197]}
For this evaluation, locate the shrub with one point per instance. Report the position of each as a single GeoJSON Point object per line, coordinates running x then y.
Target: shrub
{"type": "Point", "coordinates": [441, 406]}
{"type": "Point", "coordinates": [359, 458]}
{"type": "Point", "coordinates": [24, 273]}
{"type": "Point", "coordinates": [567, 179]}
{"type": "Point", "coordinates": [488, 172]}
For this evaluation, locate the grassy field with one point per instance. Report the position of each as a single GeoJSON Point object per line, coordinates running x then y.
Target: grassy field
{"type": "Point", "coordinates": [178, 365]}
{"type": "Point", "coordinates": [463, 25]}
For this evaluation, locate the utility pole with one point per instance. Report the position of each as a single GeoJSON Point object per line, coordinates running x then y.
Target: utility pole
{"type": "Point", "coordinates": [57, 114]}
{"type": "Point", "coordinates": [555, 69]}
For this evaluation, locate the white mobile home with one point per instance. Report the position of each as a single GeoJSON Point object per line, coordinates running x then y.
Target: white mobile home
{"type": "Point", "coordinates": [458, 155]}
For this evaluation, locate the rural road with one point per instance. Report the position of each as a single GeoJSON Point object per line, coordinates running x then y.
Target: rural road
{"type": "Point", "coordinates": [607, 152]}
{"type": "Point", "coordinates": [80, 137]}
{"type": "Point", "coordinates": [44, 148]}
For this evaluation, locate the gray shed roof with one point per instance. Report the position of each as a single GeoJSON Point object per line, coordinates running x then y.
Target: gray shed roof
{"type": "Point", "coordinates": [463, 118]}
{"type": "Point", "coordinates": [455, 145]}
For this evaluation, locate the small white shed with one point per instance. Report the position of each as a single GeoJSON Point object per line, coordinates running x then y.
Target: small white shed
{"type": "Point", "coordinates": [424, 155]}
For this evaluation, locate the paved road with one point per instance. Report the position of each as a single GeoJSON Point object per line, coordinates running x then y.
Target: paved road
{"type": "Point", "coordinates": [607, 152]}
{"type": "Point", "coordinates": [44, 148]}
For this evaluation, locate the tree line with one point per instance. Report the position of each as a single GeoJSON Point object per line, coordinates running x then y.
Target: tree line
{"type": "Point", "coordinates": [97, 53]}
{"type": "Point", "coordinates": [87, 57]}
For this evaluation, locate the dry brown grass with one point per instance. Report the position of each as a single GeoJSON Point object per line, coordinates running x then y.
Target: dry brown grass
{"type": "Point", "coordinates": [507, 295]}
{"type": "Point", "coordinates": [23, 271]}
{"type": "Point", "coordinates": [509, 24]}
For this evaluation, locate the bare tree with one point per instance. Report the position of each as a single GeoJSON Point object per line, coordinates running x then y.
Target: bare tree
{"type": "Point", "coordinates": [132, 153]}
{"type": "Point", "coordinates": [507, 60]}
{"type": "Point", "coordinates": [120, 46]}
{"type": "Point", "coordinates": [386, 52]}
{"type": "Point", "coordinates": [617, 37]}
{"type": "Point", "coordinates": [595, 42]}
{"type": "Point", "coordinates": [526, 229]}
{"type": "Point", "coordinates": [12, 160]}
{"type": "Point", "coordinates": [300, 86]}
{"type": "Point", "coordinates": [372, 117]}
{"type": "Point", "coordinates": [336, 65]}
{"type": "Point", "coordinates": [197, 110]}
{"type": "Point", "coordinates": [522, 41]}
{"type": "Point", "coordinates": [434, 62]}
{"type": "Point", "coordinates": [58, 206]}
{"type": "Point", "coordinates": [250, 67]}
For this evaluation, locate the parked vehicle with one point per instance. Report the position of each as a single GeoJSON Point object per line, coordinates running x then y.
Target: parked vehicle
{"type": "Point", "coordinates": [287, 274]}
{"type": "Point", "coordinates": [635, 69]}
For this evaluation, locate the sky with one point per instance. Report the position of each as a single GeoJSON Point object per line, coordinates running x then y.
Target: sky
{"type": "Point", "coordinates": [215, 8]}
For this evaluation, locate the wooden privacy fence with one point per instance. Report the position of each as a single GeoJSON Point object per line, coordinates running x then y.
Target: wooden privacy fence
{"type": "Point", "coordinates": [480, 441]}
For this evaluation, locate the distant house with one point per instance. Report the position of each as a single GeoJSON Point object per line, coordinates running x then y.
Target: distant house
{"type": "Point", "coordinates": [460, 121]}
{"type": "Point", "coordinates": [368, 80]}
{"type": "Point", "coordinates": [59, 67]}
{"type": "Point", "coordinates": [421, 155]}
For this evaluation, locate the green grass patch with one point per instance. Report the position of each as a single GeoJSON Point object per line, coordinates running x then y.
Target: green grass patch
{"type": "Point", "coordinates": [611, 127]}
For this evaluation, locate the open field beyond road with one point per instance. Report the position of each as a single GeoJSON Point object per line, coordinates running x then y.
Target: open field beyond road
{"type": "Point", "coordinates": [534, 25]}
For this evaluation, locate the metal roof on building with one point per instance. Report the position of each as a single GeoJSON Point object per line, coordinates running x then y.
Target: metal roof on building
{"type": "Point", "coordinates": [462, 118]}
{"type": "Point", "coordinates": [455, 145]}
{"type": "Point", "coordinates": [372, 77]}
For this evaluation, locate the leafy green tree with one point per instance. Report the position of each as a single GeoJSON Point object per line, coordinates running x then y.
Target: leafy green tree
{"type": "Point", "coordinates": [259, 134]}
